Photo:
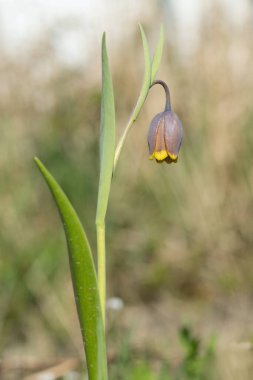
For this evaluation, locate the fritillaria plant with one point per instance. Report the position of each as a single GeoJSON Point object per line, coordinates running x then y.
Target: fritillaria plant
{"type": "Point", "coordinates": [164, 140]}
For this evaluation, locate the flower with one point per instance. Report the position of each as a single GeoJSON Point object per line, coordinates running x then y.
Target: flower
{"type": "Point", "coordinates": [165, 133]}
{"type": "Point", "coordinates": [165, 137]}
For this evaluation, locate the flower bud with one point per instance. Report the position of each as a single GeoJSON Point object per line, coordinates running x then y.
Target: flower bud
{"type": "Point", "coordinates": [165, 133]}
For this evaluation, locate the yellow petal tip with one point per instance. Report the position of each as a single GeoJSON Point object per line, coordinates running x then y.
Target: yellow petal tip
{"type": "Point", "coordinates": [161, 155]}
{"type": "Point", "coordinates": [172, 156]}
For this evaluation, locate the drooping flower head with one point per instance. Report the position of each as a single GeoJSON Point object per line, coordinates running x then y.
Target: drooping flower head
{"type": "Point", "coordinates": [165, 132]}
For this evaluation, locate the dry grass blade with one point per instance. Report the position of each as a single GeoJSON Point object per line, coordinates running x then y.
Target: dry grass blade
{"type": "Point", "coordinates": [55, 371]}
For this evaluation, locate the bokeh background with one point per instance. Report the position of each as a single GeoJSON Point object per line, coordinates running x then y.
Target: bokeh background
{"type": "Point", "coordinates": [179, 237]}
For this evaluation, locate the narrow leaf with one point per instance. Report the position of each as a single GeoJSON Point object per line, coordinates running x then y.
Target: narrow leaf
{"type": "Point", "coordinates": [158, 54]}
{"type": "Point", "coordinates": [107, 137]}
{"type": "Point", "coordinates": [147, 76]}
{"type": "Point", "coordinates": [84, 281]}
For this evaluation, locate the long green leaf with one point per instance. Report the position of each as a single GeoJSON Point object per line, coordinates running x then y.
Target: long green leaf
{"type": "Point", "coordinates": [158, 54]}
{"type": "Point", "coordinates": [141, 99]}
{"type": "Point", "coordinates": [147, 76]}
{"type": "Point", "coordinates": [107, 137]}
{"type": "Point", "coordinates": [84, 281]}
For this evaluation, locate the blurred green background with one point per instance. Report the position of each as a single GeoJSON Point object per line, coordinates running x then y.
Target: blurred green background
{"type": "Point", "coordinates": [179, 237]}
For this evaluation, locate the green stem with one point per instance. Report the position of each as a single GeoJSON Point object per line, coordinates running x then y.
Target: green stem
{"type": "Point", "coordinates": [122, 140]}
{"type": "Point", "coordinates": [101, 267]}
{"type": "Point", "coordinates": [131, 121]}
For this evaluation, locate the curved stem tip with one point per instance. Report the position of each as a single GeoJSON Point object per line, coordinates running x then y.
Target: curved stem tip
{"type": "Point", "coordinates": [167, 93]}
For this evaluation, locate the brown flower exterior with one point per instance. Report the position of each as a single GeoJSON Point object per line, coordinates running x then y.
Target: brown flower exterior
{"type": "Point", "coordinates": [165, 133]}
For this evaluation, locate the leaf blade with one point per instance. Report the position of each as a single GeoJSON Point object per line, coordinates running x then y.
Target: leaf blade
{"type": "Point", "coordinates": [107, 137]}
{"type": "Point", "coordinates": [147, 75]}
{"type": "Point", "coordinates": [158, 54]}
{"type": "Point", "coordinates": [84, 280]}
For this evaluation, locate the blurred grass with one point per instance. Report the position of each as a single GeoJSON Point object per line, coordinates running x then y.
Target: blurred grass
{"type": "Point", "coordinates": [178, 235]}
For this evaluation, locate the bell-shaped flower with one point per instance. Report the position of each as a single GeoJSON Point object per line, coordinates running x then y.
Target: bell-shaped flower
{"type": "Point", "coordinates": [165, 133]}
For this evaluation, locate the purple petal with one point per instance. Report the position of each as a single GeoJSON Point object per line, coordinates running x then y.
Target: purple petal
{"type": "Point", "coordinates": [173, 133]}
{"type": "Point", "coordinates": [152, 133]}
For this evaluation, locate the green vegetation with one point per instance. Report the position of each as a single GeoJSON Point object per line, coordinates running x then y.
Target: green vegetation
{"type": "Point", "coordinates": [196, 363]}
